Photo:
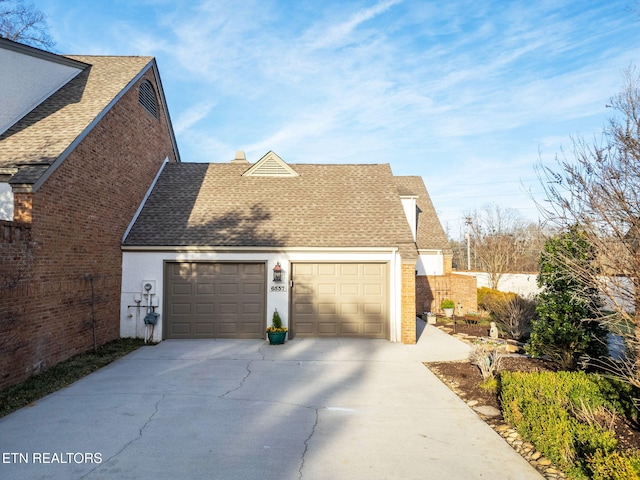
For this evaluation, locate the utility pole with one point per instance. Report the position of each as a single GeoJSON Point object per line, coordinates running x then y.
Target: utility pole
{"type": "Point", "coordinates": [468, 237]}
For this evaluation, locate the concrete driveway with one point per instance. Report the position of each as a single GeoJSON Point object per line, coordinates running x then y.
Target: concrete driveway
{"type": "Point", "coordinates": [242, 409]}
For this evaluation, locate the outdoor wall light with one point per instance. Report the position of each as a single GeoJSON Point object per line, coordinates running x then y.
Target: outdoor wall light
{"type": "Point", "coordinates": [277, 273]}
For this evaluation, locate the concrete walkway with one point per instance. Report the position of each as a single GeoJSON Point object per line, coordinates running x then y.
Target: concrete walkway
{"type": "Point", "coordinates": [433, 345]}
{"type": "Point", "coordinates": [242, 409]}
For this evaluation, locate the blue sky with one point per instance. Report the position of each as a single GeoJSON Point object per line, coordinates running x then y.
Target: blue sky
{"type": "Point", "coordinates": [467, 94]}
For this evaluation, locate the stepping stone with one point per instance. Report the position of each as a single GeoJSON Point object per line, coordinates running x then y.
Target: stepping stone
{"type": "Point", "coordinates": [487, 411]}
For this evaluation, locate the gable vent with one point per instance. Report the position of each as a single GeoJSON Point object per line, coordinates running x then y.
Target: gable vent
{"type": "Point", "coordinates": [147, 98]}
{"type": "Point", "coordinates": [271, 165]}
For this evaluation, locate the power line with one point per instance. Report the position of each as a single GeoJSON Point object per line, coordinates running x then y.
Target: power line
{"type": "Point", "coordinates": [476, 196]}
{"type": "Point", "coordinates": [495, 183]}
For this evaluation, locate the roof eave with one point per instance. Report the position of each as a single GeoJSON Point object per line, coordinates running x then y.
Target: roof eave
{"type": "Point", "coordinates": [244, 249]}
{"type": "Point", "coordinates": [165, 108]}
{"type": "Point", "coordinates": [41, 54]}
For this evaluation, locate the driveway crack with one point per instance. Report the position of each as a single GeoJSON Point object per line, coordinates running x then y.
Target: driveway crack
{"type": "Point", "coordinates": [129, 443]}
{"type": "Point", "coordinates": [248, 368]}
{"type": "Point", "coordinates": [306, 443]}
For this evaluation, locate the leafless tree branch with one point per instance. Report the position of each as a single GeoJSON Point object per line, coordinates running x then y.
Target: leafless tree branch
{"type": "Point", "coordinates": [597, 187]}
{"type": "Point", "coordinates": [503, 241]}
{"type": "Point", "coordinates": [21, 22]}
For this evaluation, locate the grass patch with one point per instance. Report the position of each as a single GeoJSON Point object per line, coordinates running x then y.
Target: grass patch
{"type": "Point", "coordinates": [64, 374]}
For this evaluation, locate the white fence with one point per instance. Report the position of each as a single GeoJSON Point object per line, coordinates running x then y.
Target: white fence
{"type": "Point", "coordinates": [620, 289]}
{"type": "Point", "coordinates": [524, 284]}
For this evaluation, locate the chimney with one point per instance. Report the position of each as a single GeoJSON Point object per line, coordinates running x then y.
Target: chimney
{"type": "Point", "coordinates": [240, 157]}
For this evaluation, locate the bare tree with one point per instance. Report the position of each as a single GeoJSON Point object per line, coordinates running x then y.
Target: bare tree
{"type": "Point", "coordinates": [503, 241]}
{"type": "Point", "coordinates": [21, 22]}
{"type": "Point", "coordinates": [459, 249]}
{"type": "Point", "coordinates": [597, 188]}
{"type": "Point", "coordinates": [533, 237]}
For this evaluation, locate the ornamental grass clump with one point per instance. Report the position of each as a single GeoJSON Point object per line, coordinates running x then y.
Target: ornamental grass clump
{"type": "Point", "coordinates": [514, 316]}
{"type": "Point", "coordinates": [487, 359]}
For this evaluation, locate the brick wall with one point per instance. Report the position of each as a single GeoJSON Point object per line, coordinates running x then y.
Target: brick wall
{"type": "Point", "coordinates": [78, 218]}
{"type": "Point", "coordinates": [408, 334]}
{"type": "Point", "coordinates": [432, 289]}
{"type": "Point", "coordinates": [16, 251]}
{"type": "Point", "coordinates": [23, 206]}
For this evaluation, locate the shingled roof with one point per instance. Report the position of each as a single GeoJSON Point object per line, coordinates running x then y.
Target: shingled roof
{"type": "Point", "coordinates": [430, 235]}
{"type": "Point", "coordinates": [214, 205]}
{"type": "Point", "coordinates": [49, 132]}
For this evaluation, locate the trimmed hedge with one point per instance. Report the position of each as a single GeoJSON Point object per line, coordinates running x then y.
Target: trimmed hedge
{"type": "Point", "coordinates": [566, 416]}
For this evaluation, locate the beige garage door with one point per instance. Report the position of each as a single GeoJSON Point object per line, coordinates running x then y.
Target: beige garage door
{"type": "Point", "coordinates": [340, 300]}
{"type": "Point", "coordinates": [214, 300]}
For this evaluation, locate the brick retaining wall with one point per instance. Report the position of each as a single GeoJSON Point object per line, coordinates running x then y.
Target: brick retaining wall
{"type": "Point", "coordinates": [432, 289]}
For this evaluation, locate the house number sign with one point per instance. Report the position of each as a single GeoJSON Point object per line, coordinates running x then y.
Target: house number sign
{"type": "Point", "coordinates": [278, 288]}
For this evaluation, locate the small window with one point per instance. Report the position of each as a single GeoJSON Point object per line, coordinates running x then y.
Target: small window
{"type": "Point", "coordinates": [147, 98]}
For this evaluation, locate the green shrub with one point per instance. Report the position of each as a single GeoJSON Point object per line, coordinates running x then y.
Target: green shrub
{"type": "Point", "coordinates": [614, 466]}
{"type": "Point", "coordinates": [561, 414]}
{"type": "Point", "coordinates": [488, 296]}
{"type": "Point", "coordinates": [565, 328]}
{"type": "Point", "coordinates": [276, 320]}
{"type": "Point", "coordinates": [490, 385]}
{"type": "Point", "coordinates": [447, 303]}
{"type": "Point", "coordinates": [276, 323]}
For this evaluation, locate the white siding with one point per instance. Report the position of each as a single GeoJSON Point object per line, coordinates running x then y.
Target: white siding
{"type": "Point", "coordinates": [431, 263]}
{"type": "Point", "coordinates": [25, 81]}
{"type": "Point", "coordinates": [409, 206]}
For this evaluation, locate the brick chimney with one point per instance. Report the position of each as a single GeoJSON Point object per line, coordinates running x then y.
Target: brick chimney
{"type": "Point", "coordinates": [240, 157]}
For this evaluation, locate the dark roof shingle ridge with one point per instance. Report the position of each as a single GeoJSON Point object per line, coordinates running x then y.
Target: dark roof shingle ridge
{"type": "Point", "coordinates": [303, 164]}
{"type": "Point", "coordinates": [75, 56]}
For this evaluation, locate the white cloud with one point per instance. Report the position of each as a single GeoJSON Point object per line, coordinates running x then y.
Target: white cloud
{"type": "Point", "coordinates": [449, 90]}
{"type": "Point", "coordinates": [337, 35]}
{"type": "Point", "coordinates": [192, 115]}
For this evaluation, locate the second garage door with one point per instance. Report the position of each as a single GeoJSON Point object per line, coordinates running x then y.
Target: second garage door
{"type": "Point", "coordinates": [214, 300]}
{"type": "Point", "coordinates": [340, 300]}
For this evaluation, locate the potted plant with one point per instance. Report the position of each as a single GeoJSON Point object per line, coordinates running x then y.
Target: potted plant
{"type": "Point", "coordinates": [276, 332]}
{"type": "Point", "coordinates": [431, 318]}
{"type": "Point", "coordinates": [448, 306]}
